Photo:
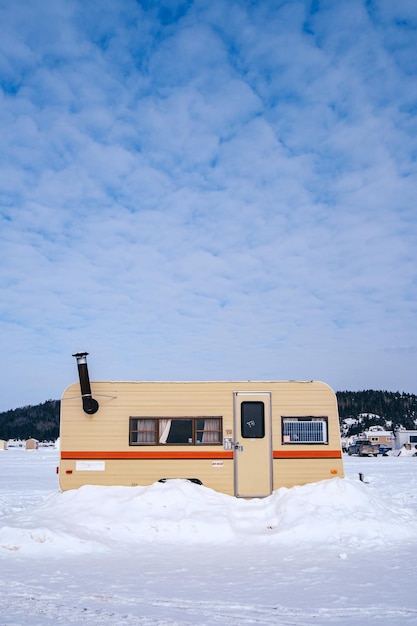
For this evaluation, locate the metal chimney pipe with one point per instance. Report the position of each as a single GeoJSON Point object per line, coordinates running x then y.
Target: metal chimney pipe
{"type": "Point", "coordinates": [90, 405]}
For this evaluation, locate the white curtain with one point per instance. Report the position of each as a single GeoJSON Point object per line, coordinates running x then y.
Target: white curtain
{"type": "Point", "coordinates": [164, 428]}
{"type": "Point", "coordinates": [211, 431]}
{"type": "Point", "coordinates": [146, 431]}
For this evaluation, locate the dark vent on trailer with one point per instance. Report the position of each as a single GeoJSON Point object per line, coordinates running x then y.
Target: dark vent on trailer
{"type": "Point", "coordinates": [90, 405]}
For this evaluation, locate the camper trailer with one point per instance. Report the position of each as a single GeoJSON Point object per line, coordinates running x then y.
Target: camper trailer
{"type": "Point", "coordinates": [242, 438]}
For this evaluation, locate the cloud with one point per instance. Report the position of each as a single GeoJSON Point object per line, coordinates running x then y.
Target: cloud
{"type": "Point", "coordinates": [195, 190]}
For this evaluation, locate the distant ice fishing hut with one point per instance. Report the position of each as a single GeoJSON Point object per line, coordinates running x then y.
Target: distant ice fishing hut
{"type": "Point", "coordinates": [404, 440]}
{"type": "Point", "coordinates": [241, 438]}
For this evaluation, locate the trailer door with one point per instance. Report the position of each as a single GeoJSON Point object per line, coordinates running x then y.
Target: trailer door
{"type": "Point", "coordinates": [253, 444]}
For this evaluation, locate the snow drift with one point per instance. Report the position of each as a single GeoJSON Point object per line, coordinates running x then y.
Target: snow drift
{"type": "Point", "coordinates": [339, 512]}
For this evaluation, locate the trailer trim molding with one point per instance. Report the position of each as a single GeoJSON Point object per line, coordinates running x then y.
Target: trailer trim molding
{"type": "Point", "coordinates": [166, 454]}
{"type": "Point", "coordinates": [307, 454]}
{"type": "Point", "coordinates": [175, 454]}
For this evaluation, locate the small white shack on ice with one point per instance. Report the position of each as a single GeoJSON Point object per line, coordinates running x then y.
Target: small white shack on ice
{"type": "Point", "coordinates": [404, 440]}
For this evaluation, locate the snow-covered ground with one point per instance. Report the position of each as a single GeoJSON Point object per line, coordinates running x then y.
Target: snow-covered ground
{"type": "Point", "coordinates": [336, 552]}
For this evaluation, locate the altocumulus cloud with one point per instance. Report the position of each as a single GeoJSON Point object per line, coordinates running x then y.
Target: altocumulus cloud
{"type": "Point", "coordinates": [195, 190]}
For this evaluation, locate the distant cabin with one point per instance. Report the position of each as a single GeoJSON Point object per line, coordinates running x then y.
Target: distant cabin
{"type": "Point", "coordinates": [32, 444]}
{"type": "Point", "coordinates": [379, 436]}
{"type": "Point", "coordinates": [3, 444]}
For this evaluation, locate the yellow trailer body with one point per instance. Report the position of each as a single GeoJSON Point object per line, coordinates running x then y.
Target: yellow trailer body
{"type": "Point", "coordinates": [241, 438]}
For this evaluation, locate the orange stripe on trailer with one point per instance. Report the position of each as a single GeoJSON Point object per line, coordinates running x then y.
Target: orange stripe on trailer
{"type": "Point", "coordinates": [201, 454]}
{"type": "Point", "coordinates": [165, 454]}
{"type": "Point", "coordinates": [307, 454]}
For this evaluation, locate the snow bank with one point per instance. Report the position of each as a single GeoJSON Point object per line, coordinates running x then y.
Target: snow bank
{"type": "Point", "coordinates": [339, 512]}
{"type": "Point", "coordinates": [403, 452]}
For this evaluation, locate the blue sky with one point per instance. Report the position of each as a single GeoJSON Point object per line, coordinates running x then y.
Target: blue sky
{"type": "Point", "coordinates": [218, 190]}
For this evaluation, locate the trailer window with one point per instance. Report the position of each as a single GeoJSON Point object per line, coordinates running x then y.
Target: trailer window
{"type": "Point", "coordinates": [142, 431]}
{"type": "Point", "coordinates": [304, 429]}
{"type": "Point", "coordinates": [252, 415]}
{"type": "Point", "coordinates": [175, 430]}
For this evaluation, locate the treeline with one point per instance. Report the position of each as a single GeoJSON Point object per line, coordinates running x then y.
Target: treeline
{"type": "Point", "coordinates": [357, 411]}
{"type": "Point", "coordinates": [40, 422]}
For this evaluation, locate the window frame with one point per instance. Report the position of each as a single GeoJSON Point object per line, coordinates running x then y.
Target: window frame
{"type": "Point", "coordinates": [157, 430]}
{"type": "Point", "coordinates": [305, 419]}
